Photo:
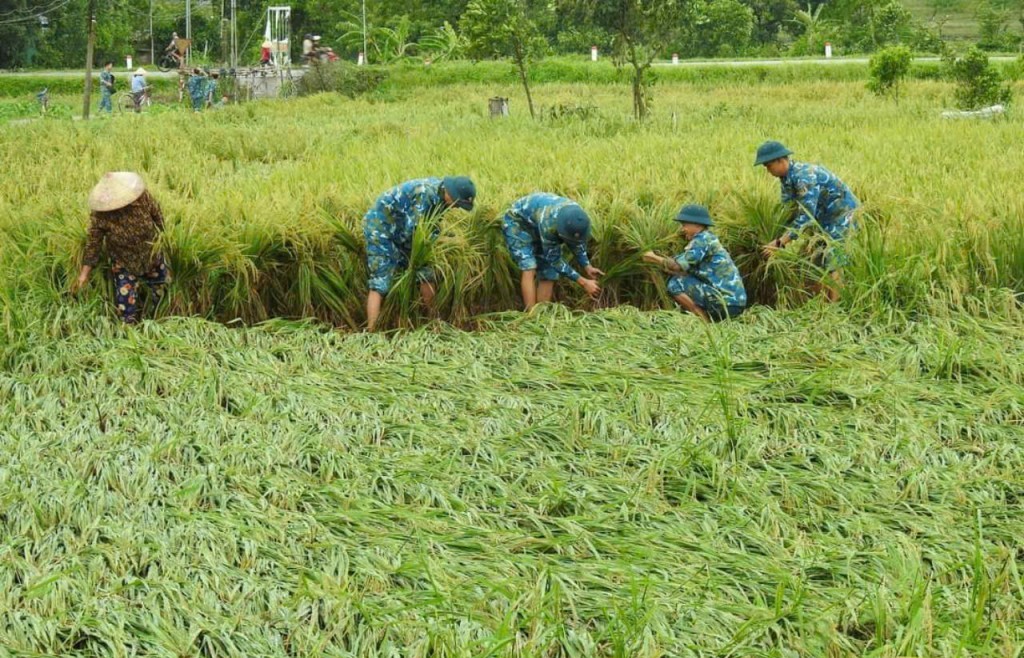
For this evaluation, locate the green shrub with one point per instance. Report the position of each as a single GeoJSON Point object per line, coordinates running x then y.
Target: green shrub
{"type": "Point", "coordinates": [977, 83]}
{"type": "Point", "coordinates": [341, 77]}
{"type": "Point", "coordinates": [888, 69]}
{"type": "Point", "coordinates": [1014, 71]}
{"type": "Point", "coordinates": [18, 109]}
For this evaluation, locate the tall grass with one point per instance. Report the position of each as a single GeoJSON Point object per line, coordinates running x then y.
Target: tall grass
{"type": "Point", "coordinates": [265, 201]}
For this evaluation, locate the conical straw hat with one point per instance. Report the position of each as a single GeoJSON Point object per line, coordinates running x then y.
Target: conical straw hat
{"type": "Point", "coordinates": [116, 190]}
{"type": "Point", "coordinates": [140, 71]}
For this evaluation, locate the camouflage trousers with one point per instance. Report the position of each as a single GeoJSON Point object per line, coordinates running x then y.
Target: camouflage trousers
{"type": "Point", "coordinates": [703, 295]}
{"type": "Point", "coordinates": [525, 249]}
{"type": "Point", "coordinates": [829, 253]}
{"type": "Point", "coordinates": [384, 255]}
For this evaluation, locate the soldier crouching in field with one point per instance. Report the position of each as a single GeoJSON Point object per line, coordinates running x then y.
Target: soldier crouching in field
{"type": "Point", "coordinates": [819, 196]}
{"type": "Point", "coordinates": [704, 279]}
{"type": "Point", "coordinates": [389, 227]}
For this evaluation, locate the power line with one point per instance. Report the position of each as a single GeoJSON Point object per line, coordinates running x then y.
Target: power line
{"type": "Point", "coordinates": [27, 10]}
{"type": "Point", "coordinates": [59, 4]}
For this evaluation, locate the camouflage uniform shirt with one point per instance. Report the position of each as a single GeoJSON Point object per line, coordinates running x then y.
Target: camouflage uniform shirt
{"type": "Point", "coordinates": [820, 194]}
{"type": "Point", "coordinates": [106, 83]}
{"type": "Point", "coordinates": [531, 233]}
{"type": "Point", "coordinates": [390, 224]}
{"type": "Point", "coordinates": [707, 260]}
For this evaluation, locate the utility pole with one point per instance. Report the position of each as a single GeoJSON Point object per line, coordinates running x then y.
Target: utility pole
{"type": "Point", "coordinates": [366, 53]}
{"type": "Point", "coordinates": [234, 35]}
{"type": "Point", "coordinates": [152, 48]}
{"type": "Point", "coordinates": [91, 27]}
{"type": "Point", "coordinates": [188, 29]}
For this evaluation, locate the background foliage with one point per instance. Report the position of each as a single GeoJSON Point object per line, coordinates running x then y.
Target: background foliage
{"type": "Point", "coordinates": [431, 28]}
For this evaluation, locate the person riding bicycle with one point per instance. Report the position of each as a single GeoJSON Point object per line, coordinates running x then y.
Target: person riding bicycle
{"type": "Point", "coordinates": [172, 49]}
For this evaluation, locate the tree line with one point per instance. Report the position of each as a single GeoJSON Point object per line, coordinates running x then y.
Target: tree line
{"type": "Point", "coordinates": [52, 33]}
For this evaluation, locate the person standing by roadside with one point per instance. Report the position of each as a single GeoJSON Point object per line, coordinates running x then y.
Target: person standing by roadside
{"type": "Point", "coordinates": [211, 89]}
{"type": "Point", "coordinates": [197, 89]}
{"type": "Point", "coordinates": [307, 49]}
{"type": "Point", "coordinates": [138, 88]}
{"type": "Point", "coordinates": [107, 87]}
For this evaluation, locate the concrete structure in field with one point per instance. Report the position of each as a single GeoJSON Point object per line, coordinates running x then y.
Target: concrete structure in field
{"type": "Point", "coordinates": [256, 83]}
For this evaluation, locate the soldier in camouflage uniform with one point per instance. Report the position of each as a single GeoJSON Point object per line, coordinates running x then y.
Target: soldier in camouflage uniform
{"type": "Point", "coordinates": [705, 280]}
{"type": "Point", "coordinates": [536, 227]}
{"type": "Point", "coordinates": [127, 221]}
{"type": "Point", "coordinates": [212, 89]}
{"type": "Point", "coordinates": [389, 227]}
{"type": "Point", "coordinates": [819, 196]}
{"type": "Point", "coordinates": [107, 87]}
{"type": "Point", "coordinates": [197, 89]}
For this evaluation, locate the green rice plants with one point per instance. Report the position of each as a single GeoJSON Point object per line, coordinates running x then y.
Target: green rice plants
{"type": "Point", "coordinates": [748, 223]}
{"type": "Point", "coordinates": [264, 203]}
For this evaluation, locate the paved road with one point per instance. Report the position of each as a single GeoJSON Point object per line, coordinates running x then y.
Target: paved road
{"type": "Point", "coordinates": [835, 61]}
{"type": "Point", "coordinates": [780, 62]}
{"type": "Point", "coordinates": [150, 73]}
{"type": "Point", "coordinates": [78, 74]}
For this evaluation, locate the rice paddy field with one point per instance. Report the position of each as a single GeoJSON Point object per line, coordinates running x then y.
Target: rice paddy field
{"type": "Point", "coordinates": [249, 475]}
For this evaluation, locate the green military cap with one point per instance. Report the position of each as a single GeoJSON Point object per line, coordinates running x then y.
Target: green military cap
{"type": "Point", "coordinates": [694, 214]}
{"type": "Point", "coordinates": [461, 189]}
{"type": "Point", "coordinates": [572, 223]}
{"type": "Point", "coordinates": [769, 151]}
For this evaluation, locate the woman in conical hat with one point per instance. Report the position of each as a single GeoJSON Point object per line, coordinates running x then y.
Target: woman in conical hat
{"type": "Point", "coordinates": [138, 88]}
{"type": "Point", "coordinates": [127, 220]}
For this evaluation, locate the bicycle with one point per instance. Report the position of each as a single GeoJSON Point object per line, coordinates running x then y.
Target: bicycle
{"type": "Point", "coordinates": [171, 61]}
{"type": "Point", "coordinates": [126, 100]}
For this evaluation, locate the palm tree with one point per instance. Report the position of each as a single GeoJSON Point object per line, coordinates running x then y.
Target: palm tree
{"type": "Point", "coordinates": [812, 23]}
